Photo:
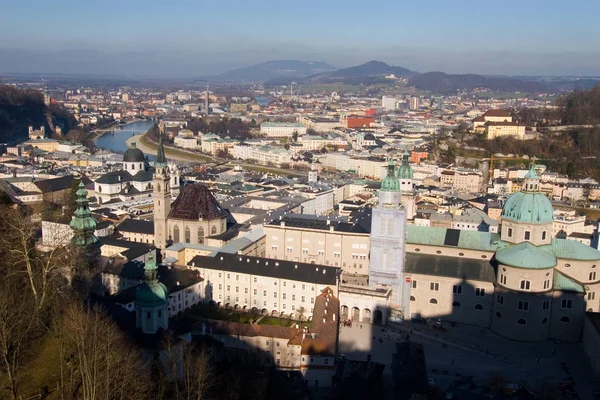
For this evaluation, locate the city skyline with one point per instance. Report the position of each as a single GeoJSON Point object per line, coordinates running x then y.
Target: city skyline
{"type": "Point", "coordinates": [184, 40]}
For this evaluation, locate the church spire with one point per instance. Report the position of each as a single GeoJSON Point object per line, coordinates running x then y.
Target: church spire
{"type": "Point", "coordinates": [161, 159]}
{"type": "Point", "coordinates": [83, 224]}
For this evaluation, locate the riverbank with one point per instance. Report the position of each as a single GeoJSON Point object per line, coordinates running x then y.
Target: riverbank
{"type": "Point", "coordinates": [149, 147]}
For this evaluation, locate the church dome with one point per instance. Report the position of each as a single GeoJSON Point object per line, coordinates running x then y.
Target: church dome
{"type": "Point", "coordinates": [525, 255]}
{"type": "Point", "coordinates": [405, 171]}
{"type": "Point", "coordinates": [529, 205]}
{"type": "Point", "coordinates": [151, 294]}
{"type": "Point", "coordinates": [390, 182]}
{"type": "Point", "coordinates": [134, 154]}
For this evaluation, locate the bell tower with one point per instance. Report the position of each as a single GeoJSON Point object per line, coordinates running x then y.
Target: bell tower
{"type": "Point", "coordinates": [161, 196]}
{"type": "Point", "coordinates": [388, 227]}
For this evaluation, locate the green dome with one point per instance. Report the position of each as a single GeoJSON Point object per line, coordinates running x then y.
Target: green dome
{"type": "Point", "coordinates": [405, 171]}
{"type": "Point", "coordinates": [525, 255]}
{"type": "Point", "coordinates": [151, 294]}
{"type": "Point", "coordinates": [390, 182]}
{"type": "Point", "coordinates": [528, 207]}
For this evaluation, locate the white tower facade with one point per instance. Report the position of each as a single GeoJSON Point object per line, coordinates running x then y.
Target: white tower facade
{"type": "Point", "coordinates": [405, 176]}
{"type": "Point", "coordinates": [162, 198]}
{"type": "Point", "coordinates": [313, 176]}
{"type": "Point", "coordinates": [387, 254]}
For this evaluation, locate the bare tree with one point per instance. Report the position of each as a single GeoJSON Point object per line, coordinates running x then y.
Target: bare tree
{"type": "Point", "coordinates": [189, 369]}
{"type": "Point", "coordinates": [18, 327]}
{"type": "Point", "coordinates": [17, 244]}
{"type": "Point", "coordinates": [104, 365]}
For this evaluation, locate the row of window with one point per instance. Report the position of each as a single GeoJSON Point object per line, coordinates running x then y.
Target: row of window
{"type": "Point", "coordinates": [456, 289]}
{"type": "Point", "coordinates": [454, 304]}
{"type": "Point", "coordinates": [255, 280]}
{"type": "Point", "coordinates": [524, 305]}
{"type": "Point", "coordinates": [187, 234]}
{"type": "Point", "coordinates": [523, 321]}
{"type": "Point", "coordinates": [460, 254]}
{"type": "Point", "coordinates": [526, 235]}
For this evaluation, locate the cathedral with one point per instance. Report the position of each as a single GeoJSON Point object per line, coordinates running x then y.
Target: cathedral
{"type": "Point", "coordinates": [195, 216]}
{"type": "Point", "coordinates": [133, 181]}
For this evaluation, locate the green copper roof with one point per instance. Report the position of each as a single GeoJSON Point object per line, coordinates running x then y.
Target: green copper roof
{"type": "Point", "coordinates": [531, 174]}
{"type": "Point", "coordinates": [405, 171]}
{"type": "Point", "coordinates": [390, 182]}
{"type": "Point", "coordinates": [161, 159]}
{"type": "Point", "coordinates": [525, 255]}
{"type": "Point", "coordinates": [529, 207]}
{"type": "Point", "coordinates": [83, 224]}
{"type": "Point", "coordinates": [151, 292]}
{"type": "Point", "coordinates": [434, 236]}
{"type": "Point", "coordinates": [571, 250]}
{"type": "Point", "coordinates": [566, 284]}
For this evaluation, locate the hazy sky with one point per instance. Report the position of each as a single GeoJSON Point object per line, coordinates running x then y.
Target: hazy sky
{"type": "Point", "coordinates": [194, 38]}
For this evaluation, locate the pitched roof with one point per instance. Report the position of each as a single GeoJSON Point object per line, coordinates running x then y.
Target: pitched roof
{"type": "Point", "coordinates": [56, 184]}
{"type": "Point", "coordinates": [195, 201]}
{"type": "Point", "coordinates": [294, 271]}
{"type": "Point", "coordinates": [136, 226]}
{"type": "Point", "coordinates": [114, 177]}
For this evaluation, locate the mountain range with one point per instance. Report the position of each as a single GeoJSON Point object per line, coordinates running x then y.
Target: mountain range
{"type": "Point", "coordinates": [275, 69]}
{"type": "Point", "coordinates": [278, 73]}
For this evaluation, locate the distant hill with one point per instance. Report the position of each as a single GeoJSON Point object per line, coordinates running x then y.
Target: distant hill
{"type": "Point", "coordinates": [371, 68]}
{"type": "Point", "coordinates": [364, 74]}
{"type": "Point", "coordinates": [20, 108]}
{"type": "Point", "coordinates": [275, 69]}
{"type": "Point", "coordinates": [441, 82]}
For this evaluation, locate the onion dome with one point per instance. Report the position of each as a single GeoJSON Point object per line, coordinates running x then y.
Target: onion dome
{"type": "Point", "coordinates": [390, 182]}
{"type": "Point", "coordinates": [151, 292]}
{"type": "Point", "coordinates": [83, 224]}
{"type": "Point", "coordinates": [405, 171]}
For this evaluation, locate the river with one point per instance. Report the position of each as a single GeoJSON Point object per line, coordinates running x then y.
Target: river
{"type": "Point", "coordinates": [117, 141]}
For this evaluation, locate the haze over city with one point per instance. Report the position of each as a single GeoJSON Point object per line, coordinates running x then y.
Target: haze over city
{"type": "Point", "coordinates": [198, 38]}
{"type": "Point", "coordinates": [317, 200]}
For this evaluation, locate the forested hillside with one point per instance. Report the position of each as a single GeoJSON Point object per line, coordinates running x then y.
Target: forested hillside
{"type": "Point", "coordinates": [20, 108]}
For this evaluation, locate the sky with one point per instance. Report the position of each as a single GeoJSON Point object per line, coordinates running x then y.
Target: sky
{"type": "Point", "coordinates": [181, 38]}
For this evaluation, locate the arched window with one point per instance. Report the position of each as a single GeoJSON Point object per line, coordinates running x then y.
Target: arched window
{"type": "Point", "coordinates": [187, 234]}
{"type": "Point", "coordinates": [592, 276]}
{"type": "Point", "coordinates": [433, 301]}
{"type": "Point", "coordinates": [213, 230]}
{"type": "Point", "coordinates": [133, 166]}
{"type": "Point", "coordinates": [521, 321]}
{"type": "Point", "coordinates": [412, 298]}
{"type": "Point", "coordinates": [200, 235]}
{"type": "Point", "coordinates": [499, 315]}
{"type": "Point", "coordinates": [99, 188]}
{"type": "Point", "coordinates": [158, 187]}
{"type": "Point", "coordinates": [565, 319]}
{"type": "Point", "coordinates": [455, 304]}
{"type": "Point", "coordinates": [175, 234]}
{"type": "Point", "coordinates": [544, 321]}
{"type": "Point", "coordinates": [478, 307]}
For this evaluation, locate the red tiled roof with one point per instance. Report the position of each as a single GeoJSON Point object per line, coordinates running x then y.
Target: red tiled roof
{"type": "Point", "coordinates": [324, 326]}
{"type": "Point", "coordinates": [195, 201]}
